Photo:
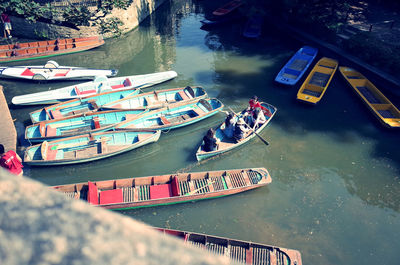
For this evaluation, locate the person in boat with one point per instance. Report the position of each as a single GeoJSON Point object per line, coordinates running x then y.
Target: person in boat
{"type": "Point", "coordinates": [230, 122]}
{"type": "Point", "coordinates": [210, 141]}
{"type": "Point", "coordinates": [254, 103]}
{"type": "Point", "coordinates": [258, 118]}
{"type": "Point", "coordinates": [241, 130]}
{"type": "Point", "coordinates": [11, 161]}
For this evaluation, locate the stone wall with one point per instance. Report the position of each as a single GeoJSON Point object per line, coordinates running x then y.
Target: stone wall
{"type": "Point", "coordinates": [39, 225]}
{"type": "Point", "coordinates": [131, 17]}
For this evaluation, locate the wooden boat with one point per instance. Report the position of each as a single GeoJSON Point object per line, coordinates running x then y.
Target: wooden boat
{"type": "Point", "coordinates": [120, 194]}
{"type": "Point", "coordinates": [253, 26]}
{"type": "Point", "coordinates": [79, 105]}
{"type": "Point", "coordinates": [77, 125]}
{"type": "Point", "coordinates": [47, 48]}
{"type": "Point", "coordinates": [317, 81]}
{"type": "Point", "coordinates": [52, 71]}
{"type": "Point", "coordinates": [226, 144]}
{"type": "Point", "coordinates": [174, 116]}
{"type": "Point", "coordinates": [100, 85]}
{"type": "Point", "coordinates": [238, 250]}
{"type": "Point", "coordinates": [295, 68]}
{"type": "Point", "coordinates": [228, 8]}
{"type": "Point", "coordinates": [88, 147]}
{"type": "Point", "coordinates": [381, 107]}
{"type": "Point", "coordinates": [158, 98]}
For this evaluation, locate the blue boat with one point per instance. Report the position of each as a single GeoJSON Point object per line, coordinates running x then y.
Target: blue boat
{"type": "Point", "coordinates": [228, 143]}
{"type": "Point", "coordinates": [175, 116]}
{"type": "Point", "coordinates": [79, 106]}
{"type": "Point", "coordinates": [87, 147]}
{"type": "Point", "coordinates": [77, 125]}
{"type": "Point", "coordinates": [253, 26]}
{"type": "Point", "coordinates": [295, 68]}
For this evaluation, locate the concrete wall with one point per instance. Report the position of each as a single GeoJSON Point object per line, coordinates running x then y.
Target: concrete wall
{"type": "Point", "coordinates": [39, 225]}
{"type": "Point", "coordinates": [137, 12]}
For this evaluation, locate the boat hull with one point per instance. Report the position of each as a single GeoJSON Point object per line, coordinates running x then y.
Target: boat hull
{"type": "Point", "coordinates": [175, 116]}
{"type": "Point", "coordinates": [159, 190]}
{"type": "Point", "coordinates": [151, 137]}
{"type": "Point", "coordinates": [295, 68]}
{"type": "Point", "coordinates": [380, 106]}
{"type": "Point", "coordinates": [317, 82]}
{"type": "Point", "coordinates": [238, 250]}
{"type": "Point", "coordinates": [52, 71]}
{"type": "Point", "coordinates": [228, 145]}
{"type": "Point", "coordinates": [100, 85]}
{"type": "Point", "coordinates": [44, 49]}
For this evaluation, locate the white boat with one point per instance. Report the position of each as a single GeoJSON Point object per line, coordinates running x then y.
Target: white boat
{"type": "Point", "coordinates": [100, 85]}
{"type": "Point", "coordinates": [52, 71]}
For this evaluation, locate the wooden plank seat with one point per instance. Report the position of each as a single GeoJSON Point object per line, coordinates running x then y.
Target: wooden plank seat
{"type": "Point", "coordinates": [164, 120]}
{"type": "Point", "coordinates": [152, 100]}
{"type": "Point", "coordinates": [320, 79]}
{"type": "Point", "coordinates": [160, 191]}
{"type": "Point", "coordinates": [56, 114]}
{"type": "Point", "coordinates": [183, 95]}
{"type": "Point", "coordinates": [199, 111]}
{"type": "Point", "coordinates": [111, 196]}
{"type": "Point", "coordinates": [129, 194]}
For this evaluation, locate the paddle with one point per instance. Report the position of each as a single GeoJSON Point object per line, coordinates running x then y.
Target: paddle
{"type": "Point", "coordinates": [196, 190]}
{"type": "Point", "coordinates": [259, 136]}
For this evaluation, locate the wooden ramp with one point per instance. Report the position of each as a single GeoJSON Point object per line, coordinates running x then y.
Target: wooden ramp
{"type": "Point", "coordinates": [8, 133]}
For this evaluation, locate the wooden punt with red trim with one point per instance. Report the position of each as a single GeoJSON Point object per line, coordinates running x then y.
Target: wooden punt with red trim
{"type": "Point", "coordinates": [47, 48]}
{"type": "Point", "coordinates": [149, 191]}
{"type": "Point", "coordinates": [227, 8]}
{"type": "Point", "coordinates": [239, 250]}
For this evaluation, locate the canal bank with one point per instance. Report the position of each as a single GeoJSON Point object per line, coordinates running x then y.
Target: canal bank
{"type": "Point", "coordinates": [381, 79]}
{"type": "Point", "coordinates": [130, 17]}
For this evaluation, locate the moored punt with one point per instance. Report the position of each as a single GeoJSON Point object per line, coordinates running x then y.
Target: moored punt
{"type": "Point", "coordinates": [52, 71]}
{"type": "Point", "coordinates": [253, 26]}
{"type": "Point", "coordinates": [79, 105]}
{"type": "Point", "coordinates": [226, 144]}
{"type": "Point", "coordinates": [47, 48]}
{"type": "Point", "coordinates": [381, 107]}
{"type": "Point", "coordinates": [158, 98]}
{"type": "Point", "coordinates": [99, 85]}
{"type": "Point", "coordinates": [239, 250]}
{"type": "Point", "coordinates": [88, 147]}
{"type": "Point", "coordinates": [317, 81]}
{"type": "Point", "coordinates": [174, 116]}
{"type": "Point", "coordinates": [295, 68]}
{"type": "Point", "coordinates": [77, 125]}
{"type": "Point", "coordinates": [228, 8]}
{"type": "Point", "coordinates": [149, 191]}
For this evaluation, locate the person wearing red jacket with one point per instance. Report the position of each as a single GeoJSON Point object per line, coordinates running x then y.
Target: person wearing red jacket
{"type": "Point", "coordinates": [11, 161]}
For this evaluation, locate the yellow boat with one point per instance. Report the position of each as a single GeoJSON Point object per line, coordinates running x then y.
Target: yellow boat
{"type": "Point", "coordinates": [317, 81]}
{"type": "Point", "coordinates": [380, 106]}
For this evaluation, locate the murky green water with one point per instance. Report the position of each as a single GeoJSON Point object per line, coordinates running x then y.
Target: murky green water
{"type": "Point", "coordinates": [335, 194]}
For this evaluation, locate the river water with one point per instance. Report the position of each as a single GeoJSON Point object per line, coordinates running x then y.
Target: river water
{"type": "Point", "coordinates": [335, 194]}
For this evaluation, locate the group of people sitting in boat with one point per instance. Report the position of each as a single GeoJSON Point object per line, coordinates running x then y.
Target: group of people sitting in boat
{"type": "Point", "coordinates": [238, 127]}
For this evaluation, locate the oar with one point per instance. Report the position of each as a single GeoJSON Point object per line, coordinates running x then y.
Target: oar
{"type": "Point", "coordinates": [251, 129]}
{"type": "Point", "coordinates": [196, 190]}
